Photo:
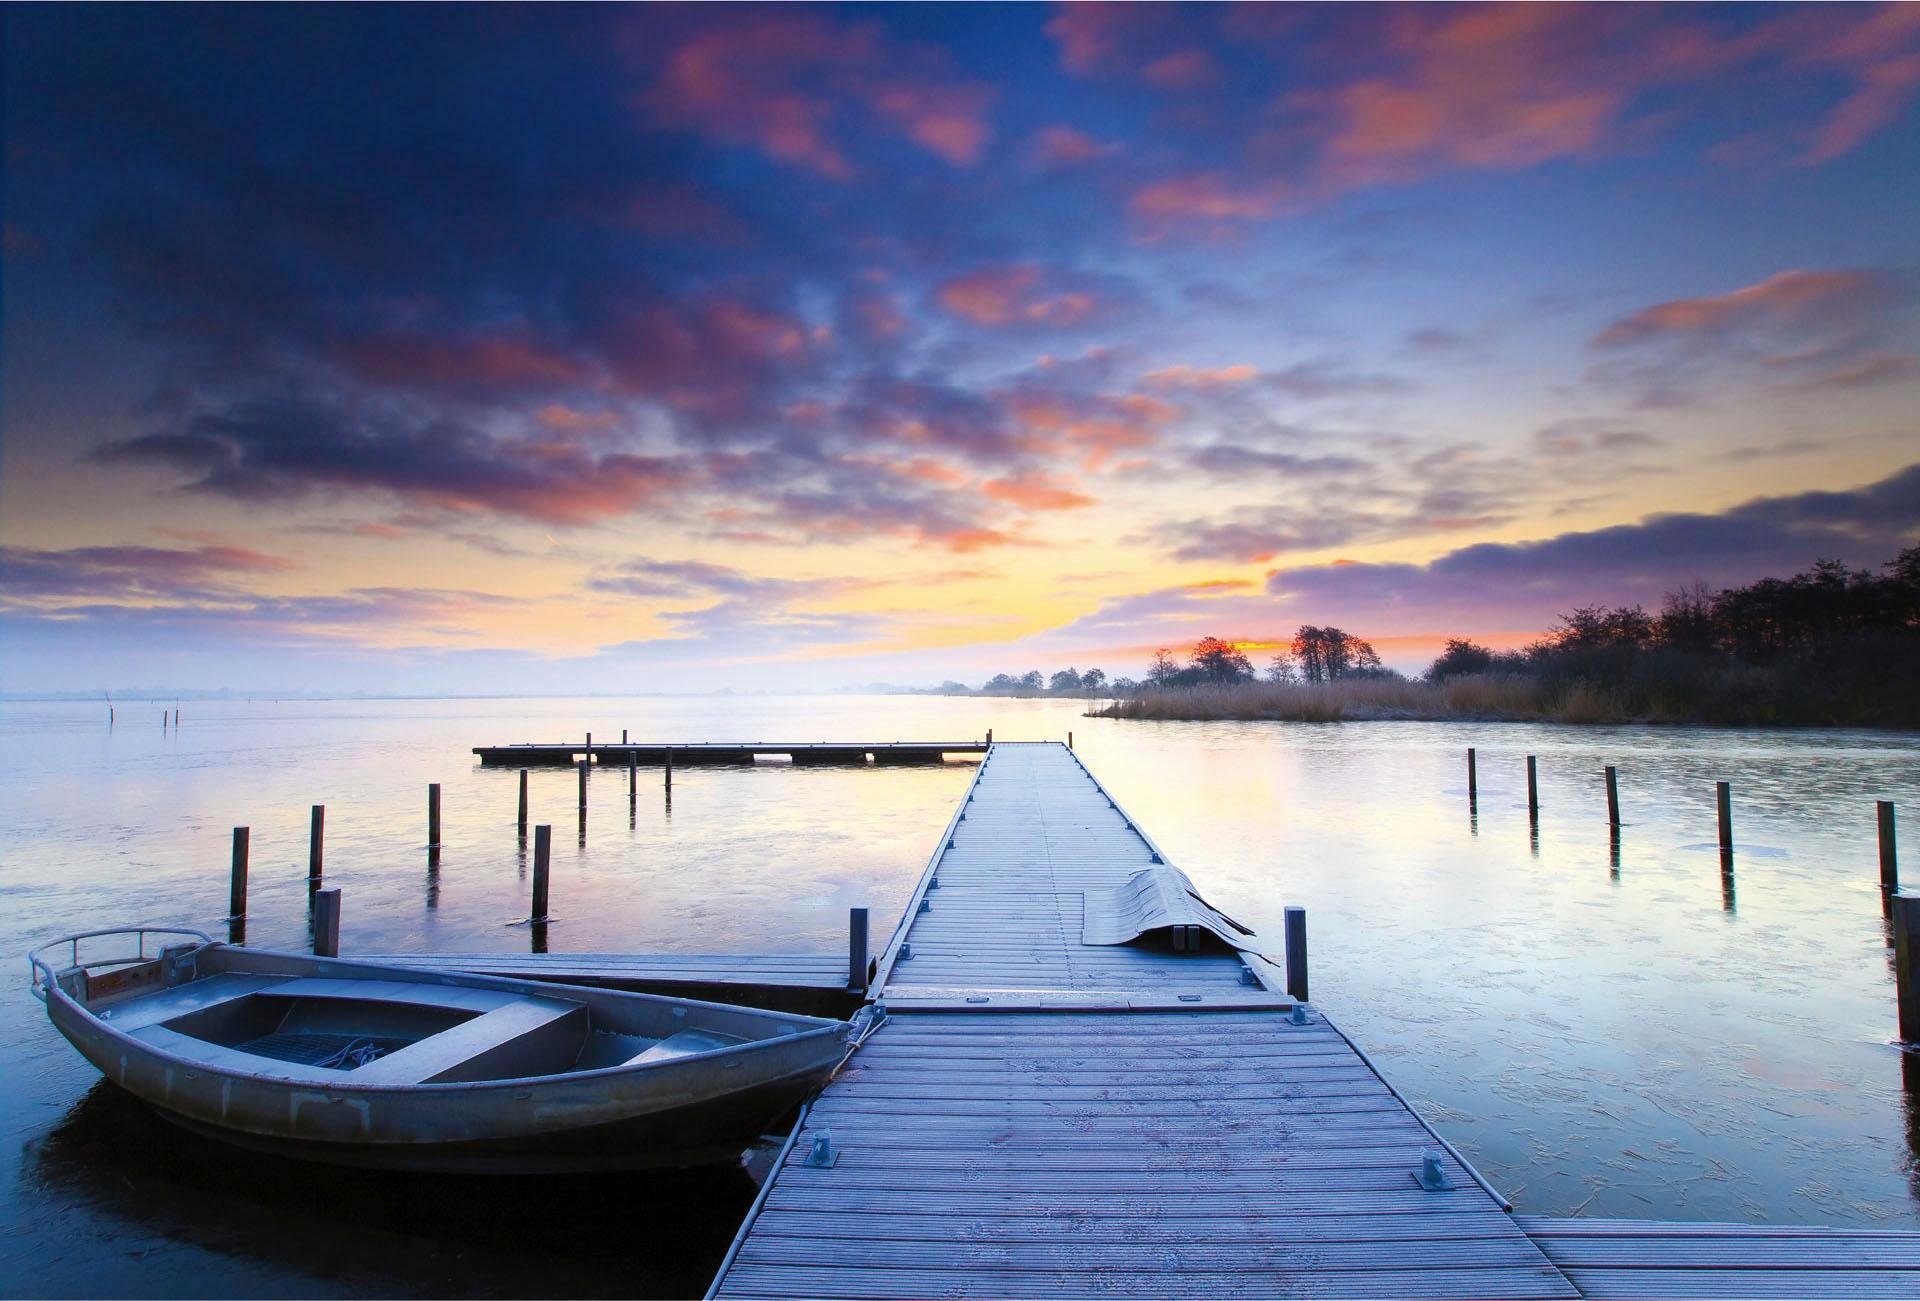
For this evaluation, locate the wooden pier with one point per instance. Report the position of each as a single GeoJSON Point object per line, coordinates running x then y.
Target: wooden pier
{"type": "Point", "coordinates": [1049, 1112]}
{"type": "Point", "coordinates": [654, 754]}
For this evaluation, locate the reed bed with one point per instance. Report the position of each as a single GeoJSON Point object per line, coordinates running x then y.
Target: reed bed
{"type": "Point", "coordinates": [1497, 698]}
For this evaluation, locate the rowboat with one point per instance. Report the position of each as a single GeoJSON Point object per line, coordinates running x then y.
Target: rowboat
{"type": "Point", "coordinates": [352, 1063]}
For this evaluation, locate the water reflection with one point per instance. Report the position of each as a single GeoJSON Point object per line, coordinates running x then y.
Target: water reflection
{"type": "Point", "coordinates": [255, 1223]}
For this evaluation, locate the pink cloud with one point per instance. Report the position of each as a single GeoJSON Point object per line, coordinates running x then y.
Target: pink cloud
{"type": "Point", "coordinates": [1788, 297]}
{"type": "Point", "coordinates": [1201, 377]}
{"type": "Point", "coordinates": [794, 85]}
{"type": "Point", "coordinates": [1065, 146]}
{"type": "Point", "coordinates": [1018, 295]}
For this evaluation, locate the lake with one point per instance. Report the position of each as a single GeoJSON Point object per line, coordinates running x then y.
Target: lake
{"type": "Point", "coordinates": [1627, 1036]}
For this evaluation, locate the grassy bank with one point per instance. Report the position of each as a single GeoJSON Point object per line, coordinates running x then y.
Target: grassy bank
{"type": "Point", "coordinates": [1752, 697]}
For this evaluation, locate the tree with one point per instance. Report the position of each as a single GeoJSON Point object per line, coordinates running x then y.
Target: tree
{"type": "Point", "coordinates": [1067, 679]}
{"type": "Point", "coordinates": [1000, 684]}
{"type": "Point", "coordinates": [1281, 669]}
{"type": "Point", "coordinates": [1328, 654]}
{"type": "Point", "coordinates": [1093, 680]}
{"type": "Point", "coordinates": [1163, 668]}
{"type": "Point", "coordinates": [1216, 661]}
{"type": "Point", "coordinates": [1032, 681]}
{"type": "Point", "coordinates": [1459, 658]}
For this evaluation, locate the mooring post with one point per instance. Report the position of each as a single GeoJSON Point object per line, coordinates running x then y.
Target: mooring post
{"type": "Point", "coordinates": [857, 950]}
{"type": "Point", "coordinates": [1723, 797]}
{"type": "Point", "coordinates": [237, 891]}
{"type": "Point", "coordinates": [326, 923]}
{"type": "Point", "coordinates": [589, 747]}
{"type": "Point", "coordinates": [623, 736]}
{"type": "Point", "coordinates": [542, 866]}
{"type": "Point", "coordinates": [1069, 740]}
{"type": "Point", "coordinates": [1889, 862]}
{"type": "Point", "coordinates": [989, 736]}
{"type": "Point", "coordinates": [633, 778]}
{"type": "Point", "coordinates": [176, 720]}
{"type": "Point", "coordinates": [1533, 790]}
{"type": "Point", "coordinates": [433, 815]}
{"type": "Point", "coordinates": [1296, 933]}
{"type": "Point", "coordinates": [583, 786]}
{"type": "Point", "coordinates": [668, 777]}
{"type": "Point", "coordinates": [1613, 797]}
{"type": "Point", "coordinates": [316, 839]}
{"type": "Point", "coordinates": [1473, 779]}
{"type": "Point", "coordinates": [1906, 955]}
{"type": "Point", "coordinates": [523, 804]}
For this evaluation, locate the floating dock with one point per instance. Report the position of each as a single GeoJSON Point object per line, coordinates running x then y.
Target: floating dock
{"type": "Point", "coordinates": [656, 754]}
{"type": "Point", "coordinates": [1051, 1112]}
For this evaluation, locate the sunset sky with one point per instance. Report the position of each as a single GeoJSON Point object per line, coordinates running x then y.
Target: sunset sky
{"type": "Point", "coordinates": [630, 348]}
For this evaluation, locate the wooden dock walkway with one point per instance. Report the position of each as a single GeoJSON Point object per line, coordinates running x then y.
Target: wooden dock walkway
{"type": "Point", "coordinates": [1046, 1117]}
{"type": "Point", "coordinates": [653, 754]}
{"type": "Point", "coordinates": [1041, 1116]}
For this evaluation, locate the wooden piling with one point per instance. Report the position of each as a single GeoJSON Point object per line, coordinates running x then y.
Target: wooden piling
{"type": "Point", "coordinates": [623, 736]}
{"type": "Point", "coordinates": [857, 950]}
{"type": "Point", "coordinates": [1069, 740]}
{"type": "Point", "coordinates": [1533, 790]}
{"type": "Point", "coordinates": [542, 867]}
{"type": "Point", "coordinates": [1905, 914]}
{"type": "Point", "coordinates": [523, 804]}
{"type": "Point", "coordinates": [667, 775]}
{"type": "Point", "coordinates": [633, 778]}
{"type": "Point", "coordinates": [1473, 779]}
{"type": "Point", "coordinates": [1889, 861]}
{"type": "Point", "coordinates": [1723, 797]}
{"type": "Point", "coordinates": [237, 889]}
{"type": "Point", "coordinates": [176, 720]}
{"type": "Point", "coordinates": [989, 736]}
{"type": "Point", "coordinates": [589, 747]}
{"type": "Point", "coordinates": [583, 786]}
{"type": "Point", "coordinates": [316, 841]}
{"type": "Point", "coordinates": [433, 815]}
{"type": "Point", "coordinates": [1296, 940]}
{"type": "Point", "coordinates": [326, 923]}
{"type": "Point", "coordinates": [1613, 797]}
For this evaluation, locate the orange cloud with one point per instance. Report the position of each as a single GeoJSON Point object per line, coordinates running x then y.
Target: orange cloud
{"type": "Point", "coordinates": [1035, 491]}
{"type": "Point", "coordinates": [1199, 377]}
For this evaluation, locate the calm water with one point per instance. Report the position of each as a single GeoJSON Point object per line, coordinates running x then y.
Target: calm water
{"type": "Point", "coordinates": [1640, 1040]}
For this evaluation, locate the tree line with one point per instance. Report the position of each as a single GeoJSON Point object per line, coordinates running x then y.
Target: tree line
{"type": "Point", "coordinates": [1830, 645]}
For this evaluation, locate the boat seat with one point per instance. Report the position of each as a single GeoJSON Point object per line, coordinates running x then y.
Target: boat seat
{"type": "Point", "coordinates": [685, 1043]}
{"type": "Point", "coordinates": [195, 996]}
{"type": "Point", "coordinates": [527, 1036]}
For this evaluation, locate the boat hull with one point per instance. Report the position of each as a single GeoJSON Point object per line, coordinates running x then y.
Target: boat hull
{"type": "Point", "coordinates": [698, 1110]}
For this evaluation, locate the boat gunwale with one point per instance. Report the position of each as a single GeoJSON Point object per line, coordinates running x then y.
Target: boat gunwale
{"type": "Point", "coordinates": [820, 1029]}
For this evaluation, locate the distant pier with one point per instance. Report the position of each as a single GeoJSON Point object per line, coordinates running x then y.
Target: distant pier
{"type": "Point", "coordinates": [653, 754]}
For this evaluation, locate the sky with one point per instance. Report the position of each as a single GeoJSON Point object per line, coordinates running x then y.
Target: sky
{"type": "Point", "coordinates": [552, 349]}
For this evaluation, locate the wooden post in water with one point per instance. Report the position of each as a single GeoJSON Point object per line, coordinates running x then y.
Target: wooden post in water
{"type": "Point", "coordinates": [1473, 780]}
{"type": "Point", "coordinates": [1533, 791]}
{"type": "Point", "coordinates": [176, 720]}
{"type": "Point", "coordinates": [1069, 740]}
{"type": "Point", "coordinates": [1906, 955]}
{"type": "Point", "coordinates": [1723, 797]}
{"type": "Point", "coordinates": [433, 815]}
{"type": "Point", "coordinates": [523, 804]}
{"type": "Point", "coordinates": [1613, 798]}
{"type": "Point", "coordinates": [542, 867]}
{"type": "Point", "coordinates": [589, 747]}
{"type": "Point", "coordinates": [989, 736]}
{"type": "Point", "coordinates": [326, 923]}
{"type": "Point", "coordinates": [623, 736]}
{"type": "Point", "coordinates": [583, 788]}
{"type": "Point", "coordinates": [669, 771]}
{"type": "Point", "coordinates": [237, 890]}
{"type": "Point", "coordinates": [1296, 934]}
{"type": "Point", "coordinates": [1889, 862]}
{"type": "Point", "coordinates": [633, 778]}
{"type": "Point", "coordinates": [857, 950]}
{"type": "Point", "coordinates": [316, 839]}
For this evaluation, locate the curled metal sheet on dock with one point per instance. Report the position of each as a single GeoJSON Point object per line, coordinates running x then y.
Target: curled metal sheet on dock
{"type": "Point", "coordinates": [1153, 899]}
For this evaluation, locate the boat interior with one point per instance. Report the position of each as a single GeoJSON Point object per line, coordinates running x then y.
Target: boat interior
{"type": "Point", "coordinates": [282, 1016]}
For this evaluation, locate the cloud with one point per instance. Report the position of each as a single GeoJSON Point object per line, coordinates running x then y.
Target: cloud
{"type": "Point", "coordinates": [1202, 377]}
{"type": "Point", "coordinates": [1526, 584]}
{"type": "Point", "coordinates": [1061, 146]}
{"type": "Point", "coordinates": [797, 86]}
{"type": "Point", "coordinates": [1801, 328]}
{"type": "Point", "coordinates": [1034, 491]}
{"type": "Point", "coordinates": [130, 573]}
{"type": "Point", "coordinates": [266, 450]}
{"type": "Point", "coordinates": [1019, 296]}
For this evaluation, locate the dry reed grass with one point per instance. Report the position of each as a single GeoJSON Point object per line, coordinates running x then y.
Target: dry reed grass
{"type": "Point", "coordinates": [1483, 697]}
